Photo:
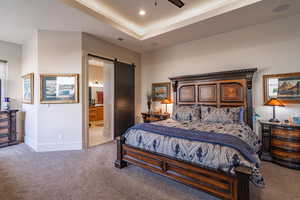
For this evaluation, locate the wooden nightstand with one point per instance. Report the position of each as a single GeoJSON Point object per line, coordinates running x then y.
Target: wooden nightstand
{"type": "Point", "coordinates": [153, 117]}
{"type": "Point", "coordinates": [281, 143]}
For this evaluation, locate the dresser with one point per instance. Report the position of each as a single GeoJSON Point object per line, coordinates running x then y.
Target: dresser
{"type": "Point", "coordinates": [281, 144]}
{"type": "Point", "coordinates": [8, 132]}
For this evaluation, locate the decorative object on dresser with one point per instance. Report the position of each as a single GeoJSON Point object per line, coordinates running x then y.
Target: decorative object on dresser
{"type": "Point", "coordinates": [28, 88]}
{"type": "Point", "coordinates": [166, 102]}
{"type": "Point", "coordinates": [59, 88]}
{"type": "Point", "coordinates": [281, 143]}
{"type": "Point", "coordinates": [6, 103]}
{"type": "Point", "coordinates": [149, 102]}
{"type": "Point", "coordinates": [8, 132]}
{"type": "Point", "coordinates": [220, 89]}
{"type": "Point", "coordinates": [274, 102]}
{"type": "Point", "coordinates": [285, 87]}
{"type": "Point", "coordinates": [161, 91]}
{"type": "Point", "coordinates": [154, 117]}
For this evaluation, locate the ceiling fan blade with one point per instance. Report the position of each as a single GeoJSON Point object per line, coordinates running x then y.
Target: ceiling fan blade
{"type": "Point", "coordinates": [177, 3]}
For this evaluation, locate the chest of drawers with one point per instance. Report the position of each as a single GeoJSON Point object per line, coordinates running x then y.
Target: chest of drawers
{"type": "Point", "coordinates": [281, 144]}
{"type": "Point", "coordinates": [8, 133]}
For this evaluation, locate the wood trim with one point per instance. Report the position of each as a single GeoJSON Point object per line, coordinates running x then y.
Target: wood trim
{"type": "Point", "coordinates": [193, 100]}
{"type": "Point", "coordinates": [281, 144]}
{"type": "Point", "coordinates": [8, 135]}
{"type": "Point", "coordinates": [242, 78]}
{"type": "Point", "coordinates": [213, 98]}
{"type": "Point", "coordinates": [233, 74]}
{"type": "Point", "coordinates": [290, 146]}
{"type": "Point", "coordinates": [286, 133]}
{"type": "Point", "coordinates": [42, 101]}
{"type": "Point", "coordinates": [265, 88]}
{"type": "Point", "coordinates": [288, 156]}
{"type": "Point", "coordinates": [31, 77]}
{"type": "Point", "coordinates": [217, 183]}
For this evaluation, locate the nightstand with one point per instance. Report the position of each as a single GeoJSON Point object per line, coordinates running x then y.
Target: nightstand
{"type": "Point", "coordinates": [281, 143]}
{"type": "Point", "coordinates": [154, 117]}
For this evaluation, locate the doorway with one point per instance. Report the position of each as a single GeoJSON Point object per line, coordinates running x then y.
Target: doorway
{"type": "Point", "coordinates": [109, 100]}
{"type": "Point", "coordinates": [100, 100]}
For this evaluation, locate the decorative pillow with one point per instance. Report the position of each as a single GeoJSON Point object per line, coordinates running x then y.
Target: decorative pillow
{"type": "Point", "coordinates": [241, 115]}
{"type": "Point", "coordinates": [220, 115]}
{"type": "Point", "coordinates": [186, 113]}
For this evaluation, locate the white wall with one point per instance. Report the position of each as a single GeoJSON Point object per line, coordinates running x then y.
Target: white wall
{"type": "Point", "coordinates": [55, 126]}
{"type": "Point", "coordinates": [30, 65]}
{"type": "Point", "coordinates": [272, 47]}
{"type": "Point", "coordinates": [59, 125]}
{"type": "Point", "coordinates": [12, 53]}
{"type": "Point", "coordinates": [96, 46]}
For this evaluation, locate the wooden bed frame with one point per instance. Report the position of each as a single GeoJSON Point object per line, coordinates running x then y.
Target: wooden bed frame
{"type": "Point", "coordinates": [221, 89]}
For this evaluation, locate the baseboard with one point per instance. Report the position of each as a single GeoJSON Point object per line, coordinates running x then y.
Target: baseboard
{"type": "Point", "coordinates": [31, 143]}
{"type": "Point", "coordinates": [44, 147]}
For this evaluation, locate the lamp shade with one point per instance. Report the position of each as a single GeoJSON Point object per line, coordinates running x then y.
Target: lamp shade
{"type": "Point", "coordinates": [274, 102]}
{"type": "Point", "coordinates": [166, 101]}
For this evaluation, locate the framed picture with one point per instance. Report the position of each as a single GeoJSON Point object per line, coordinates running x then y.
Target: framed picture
{"type": "Point", "coordinates": [285, 87]}
{"type": "Point", "coordinates": [161, 91]}
{"type": "Point", "coordinates": [59, 88]}
{"type": "Point", "coordinates": [28, 88]}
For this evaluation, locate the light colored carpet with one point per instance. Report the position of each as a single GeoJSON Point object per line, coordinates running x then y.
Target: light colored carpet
{"type": "Point", "coordinates": [90, 175]}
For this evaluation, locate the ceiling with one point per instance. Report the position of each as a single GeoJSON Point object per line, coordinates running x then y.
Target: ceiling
{"type": "Point", "coordinates": [161, 27]}
{"type": "Point", "coordinates": [159, 19]}
{"type": "Point", "coordinates": [130, 9]}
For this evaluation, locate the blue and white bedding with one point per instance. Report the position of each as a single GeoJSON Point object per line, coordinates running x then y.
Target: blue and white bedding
{"type": "Point", "coordinates": [229, 145]}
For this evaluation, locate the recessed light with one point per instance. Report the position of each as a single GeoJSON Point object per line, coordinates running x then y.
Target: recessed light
{"type": "Point", "coordinates": [281, 8]}
{"type": "Point", "coordinates": [142, 12]}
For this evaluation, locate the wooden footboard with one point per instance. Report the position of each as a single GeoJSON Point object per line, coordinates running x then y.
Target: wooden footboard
{"type": "Point", "coordinates": [220, 184]}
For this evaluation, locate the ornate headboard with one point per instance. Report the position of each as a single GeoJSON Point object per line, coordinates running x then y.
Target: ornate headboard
{"type": "Point", "coordinates": [220, 89]}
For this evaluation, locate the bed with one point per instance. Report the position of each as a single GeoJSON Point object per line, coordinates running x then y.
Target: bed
{"type": "Point", "coordinates": [218, 157]}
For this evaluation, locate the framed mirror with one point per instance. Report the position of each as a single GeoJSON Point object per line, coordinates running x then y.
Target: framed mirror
{"type": "Point", "coordinates": [285, 87]}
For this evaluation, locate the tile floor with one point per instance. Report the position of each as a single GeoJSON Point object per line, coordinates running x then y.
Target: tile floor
{"type": "Point", "coordinates": [96, 134]}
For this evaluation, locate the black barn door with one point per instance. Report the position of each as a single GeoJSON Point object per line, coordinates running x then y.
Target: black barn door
{"type": "Point", "coordinates": [124, 97]}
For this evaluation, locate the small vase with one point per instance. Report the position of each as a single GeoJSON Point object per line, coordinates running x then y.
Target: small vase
{"type": "Point", "coordinates": [149, 106]}
{"type": "Point", "coordinates": [6, 103]}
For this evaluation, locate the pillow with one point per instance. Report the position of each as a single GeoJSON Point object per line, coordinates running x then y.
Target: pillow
{"type": "Point", "coordinates": [186, 113]}
{"type": "Point", "coordinates": [221, 115]}
{"type": "Point", "coordinates": [241, 115]}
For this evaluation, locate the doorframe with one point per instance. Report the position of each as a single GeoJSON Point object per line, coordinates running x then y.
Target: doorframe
{"type": "Point", "coordinates": [85, 95]}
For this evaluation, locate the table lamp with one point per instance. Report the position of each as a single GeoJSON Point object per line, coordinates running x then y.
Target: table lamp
{"type": "Point", "coordinates": [274, 102]}
{"type": "Point", "coordinates": [166, 101]}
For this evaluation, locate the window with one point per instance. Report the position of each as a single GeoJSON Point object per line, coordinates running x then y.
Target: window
{"type": "Point", "coordinates": [3, 80]}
